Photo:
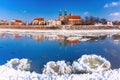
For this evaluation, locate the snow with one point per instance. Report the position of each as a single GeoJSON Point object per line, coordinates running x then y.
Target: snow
{"type": "Point", "coordinates": [64, 70]}
{"type": "Point", "coordinates": [11, 74]}
{"type": "Point", "coordinates": [91, 63]}
{"type": "Point", "coordinates": [85, 39]}
{"type": "Point", "coordinates": [18, 64]}
{"type": "Point", "coordinates": [62, 32]}
{"type": "Point", "coordinates": [57, 68]}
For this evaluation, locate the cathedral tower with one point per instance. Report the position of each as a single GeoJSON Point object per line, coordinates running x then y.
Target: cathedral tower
{"type": "Point", "coordinates": [60, 15]}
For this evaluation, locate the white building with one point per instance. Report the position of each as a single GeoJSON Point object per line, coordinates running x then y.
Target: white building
{"type": "Point", "coordinates": [109, 23]}
{"type": "Point", "coordinates": [53, 22]}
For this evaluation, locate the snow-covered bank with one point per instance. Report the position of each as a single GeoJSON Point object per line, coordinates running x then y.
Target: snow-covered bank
{"type": "Point", "coordinates": [63, 32]}
{"type": "Point", "coordinates": [11, 74]}
{"type": "Point", "coordinates": [63, 68]}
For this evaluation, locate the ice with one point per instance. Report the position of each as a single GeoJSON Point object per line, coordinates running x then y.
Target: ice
{"type": "Point", "coordinates": [91, 63]}
{"type": "Point", "coordinates": [63, 72]}
{"type": "Point", "coordinates": [87, 63]}
{"type": "Point", "coordinates": [57, 68]}
{"type": "Point", "coordinates": [85, 39]}
{"type": "Point", "coordinates": [18, 64]}
{"type": "Point", "coordinates": [11, 74]}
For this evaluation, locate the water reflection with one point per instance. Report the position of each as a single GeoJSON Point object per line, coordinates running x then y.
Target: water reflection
{"type": "Point", "coordinates": [111, 51]}
{"type": "Point", "coordinates": [3, 35]}
{"type": "Point", "coordinates": [41, 48]}
{"type": "Point", "coordinates": [16, 36]}
{"type": "Point", "coordinates": [38, 38]}
{"type": "Point", "coordinates": [67, 40]}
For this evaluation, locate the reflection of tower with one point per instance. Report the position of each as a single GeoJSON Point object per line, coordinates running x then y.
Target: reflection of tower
{"type": "Point", "coordinates": [65, 42]}
{"type": "Point", "coordinates": [60, 15]}
{"type": "Point", "coordinates": [60, 45]}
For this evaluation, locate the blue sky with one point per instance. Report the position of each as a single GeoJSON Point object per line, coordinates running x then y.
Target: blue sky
{"type": "Point", "coordinates": [26, 10]}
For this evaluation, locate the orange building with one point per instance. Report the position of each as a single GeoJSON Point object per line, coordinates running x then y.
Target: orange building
{"type": "Point", "coordinates": [16, 22]}
{"type": "Point", "coordinates": [38, 21]}
{"type": "Point", "coordinates": [73, 20]}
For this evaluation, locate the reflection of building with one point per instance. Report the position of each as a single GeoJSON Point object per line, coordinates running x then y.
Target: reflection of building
{"type": "Point", "coordinates": [16, 22]}
{"type": "Point", "coordinates": [68, 40]}
{"type": "Point", "coordinates": [3, 22]}
{"type": "Point", "coordinates": [69, 19]}
{"type": "Point", "coordinates": [38, 37]}
{"type": "Point", "coordinates": [3, 35]}
{"type": "Point", "coordinates": [51, 37]}
{"type": "Point", "coordinates": [16, 36]}
{"type": "Point", "coordinates": [38, 21]}
{"type": "Point", "coordinates": [73, 40]}
{"type": "Point", "coordinates": [53, 22]}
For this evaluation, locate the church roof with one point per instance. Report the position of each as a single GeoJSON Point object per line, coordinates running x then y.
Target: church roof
{"type": "Point", "coordinates": [74, 17]}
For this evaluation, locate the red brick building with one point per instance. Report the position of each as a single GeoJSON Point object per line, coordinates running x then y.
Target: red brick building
{"type": "Point", "coordinates": [73, 20]}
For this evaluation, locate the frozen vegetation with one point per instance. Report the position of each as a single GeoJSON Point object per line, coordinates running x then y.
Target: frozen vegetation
{"type": "Point", "coordinates": [99, 67]}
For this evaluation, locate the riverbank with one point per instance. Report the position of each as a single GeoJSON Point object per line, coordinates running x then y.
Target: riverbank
{"type": "Point", "coordinates": [63, 32]}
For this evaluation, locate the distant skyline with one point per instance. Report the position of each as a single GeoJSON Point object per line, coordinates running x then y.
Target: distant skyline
{"type": "Point", "coordinates": [27, 10]}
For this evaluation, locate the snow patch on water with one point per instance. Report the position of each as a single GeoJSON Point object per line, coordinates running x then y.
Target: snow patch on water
{"type": "Point", "coordinates": [57, 68]}
{"type": "Point", "coordinates": [18, 64]}
{"type": "Point", "coordinates": [91, 63]}
{"type": "Point", "coordinates": [87, 63]}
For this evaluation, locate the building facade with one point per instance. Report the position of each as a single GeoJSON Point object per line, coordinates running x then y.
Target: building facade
{"type": "Point", "coordinates": [38, 21]}
{"type": "Point", "coordinates": [3, 22]}
{"type": "Point", "coordinates": [73, 20]}
{"type": "Point", "coordinates": [16, 22]}
{"type": "Point", "coordinates": [53, 22]}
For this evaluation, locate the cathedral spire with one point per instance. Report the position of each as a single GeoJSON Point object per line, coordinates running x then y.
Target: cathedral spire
{"type": "Point", "coordinates": [65, 12]}
{"type": "Point", "coordinates": [60, 12]}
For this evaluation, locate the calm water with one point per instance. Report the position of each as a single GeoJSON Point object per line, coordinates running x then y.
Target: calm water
{"type": "Point", "coordinates": [43, 50]}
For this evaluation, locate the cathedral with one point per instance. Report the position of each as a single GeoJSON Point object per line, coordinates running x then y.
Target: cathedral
{"type": "Point", "coordinates": [70, 19]}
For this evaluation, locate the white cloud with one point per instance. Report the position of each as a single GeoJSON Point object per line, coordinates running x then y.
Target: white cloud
{"type": "Point", "coordinates": [106, 6]}
{"type": "Point", "coordinates": [24, 11]}
{"type": "Point", "coordinates": [112, 4]}
{"type": "Point", "coordinates": [86, 13]}
{"type": "Point", "coordinates": [115, 3]}
{"type": "Point", "coordinates": [115, 14]}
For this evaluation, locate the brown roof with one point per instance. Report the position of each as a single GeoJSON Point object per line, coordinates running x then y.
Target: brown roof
{"type": "Point", "coordinates": [39, 19]}
{"type": "Point", "coordinates": [74, 17]}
